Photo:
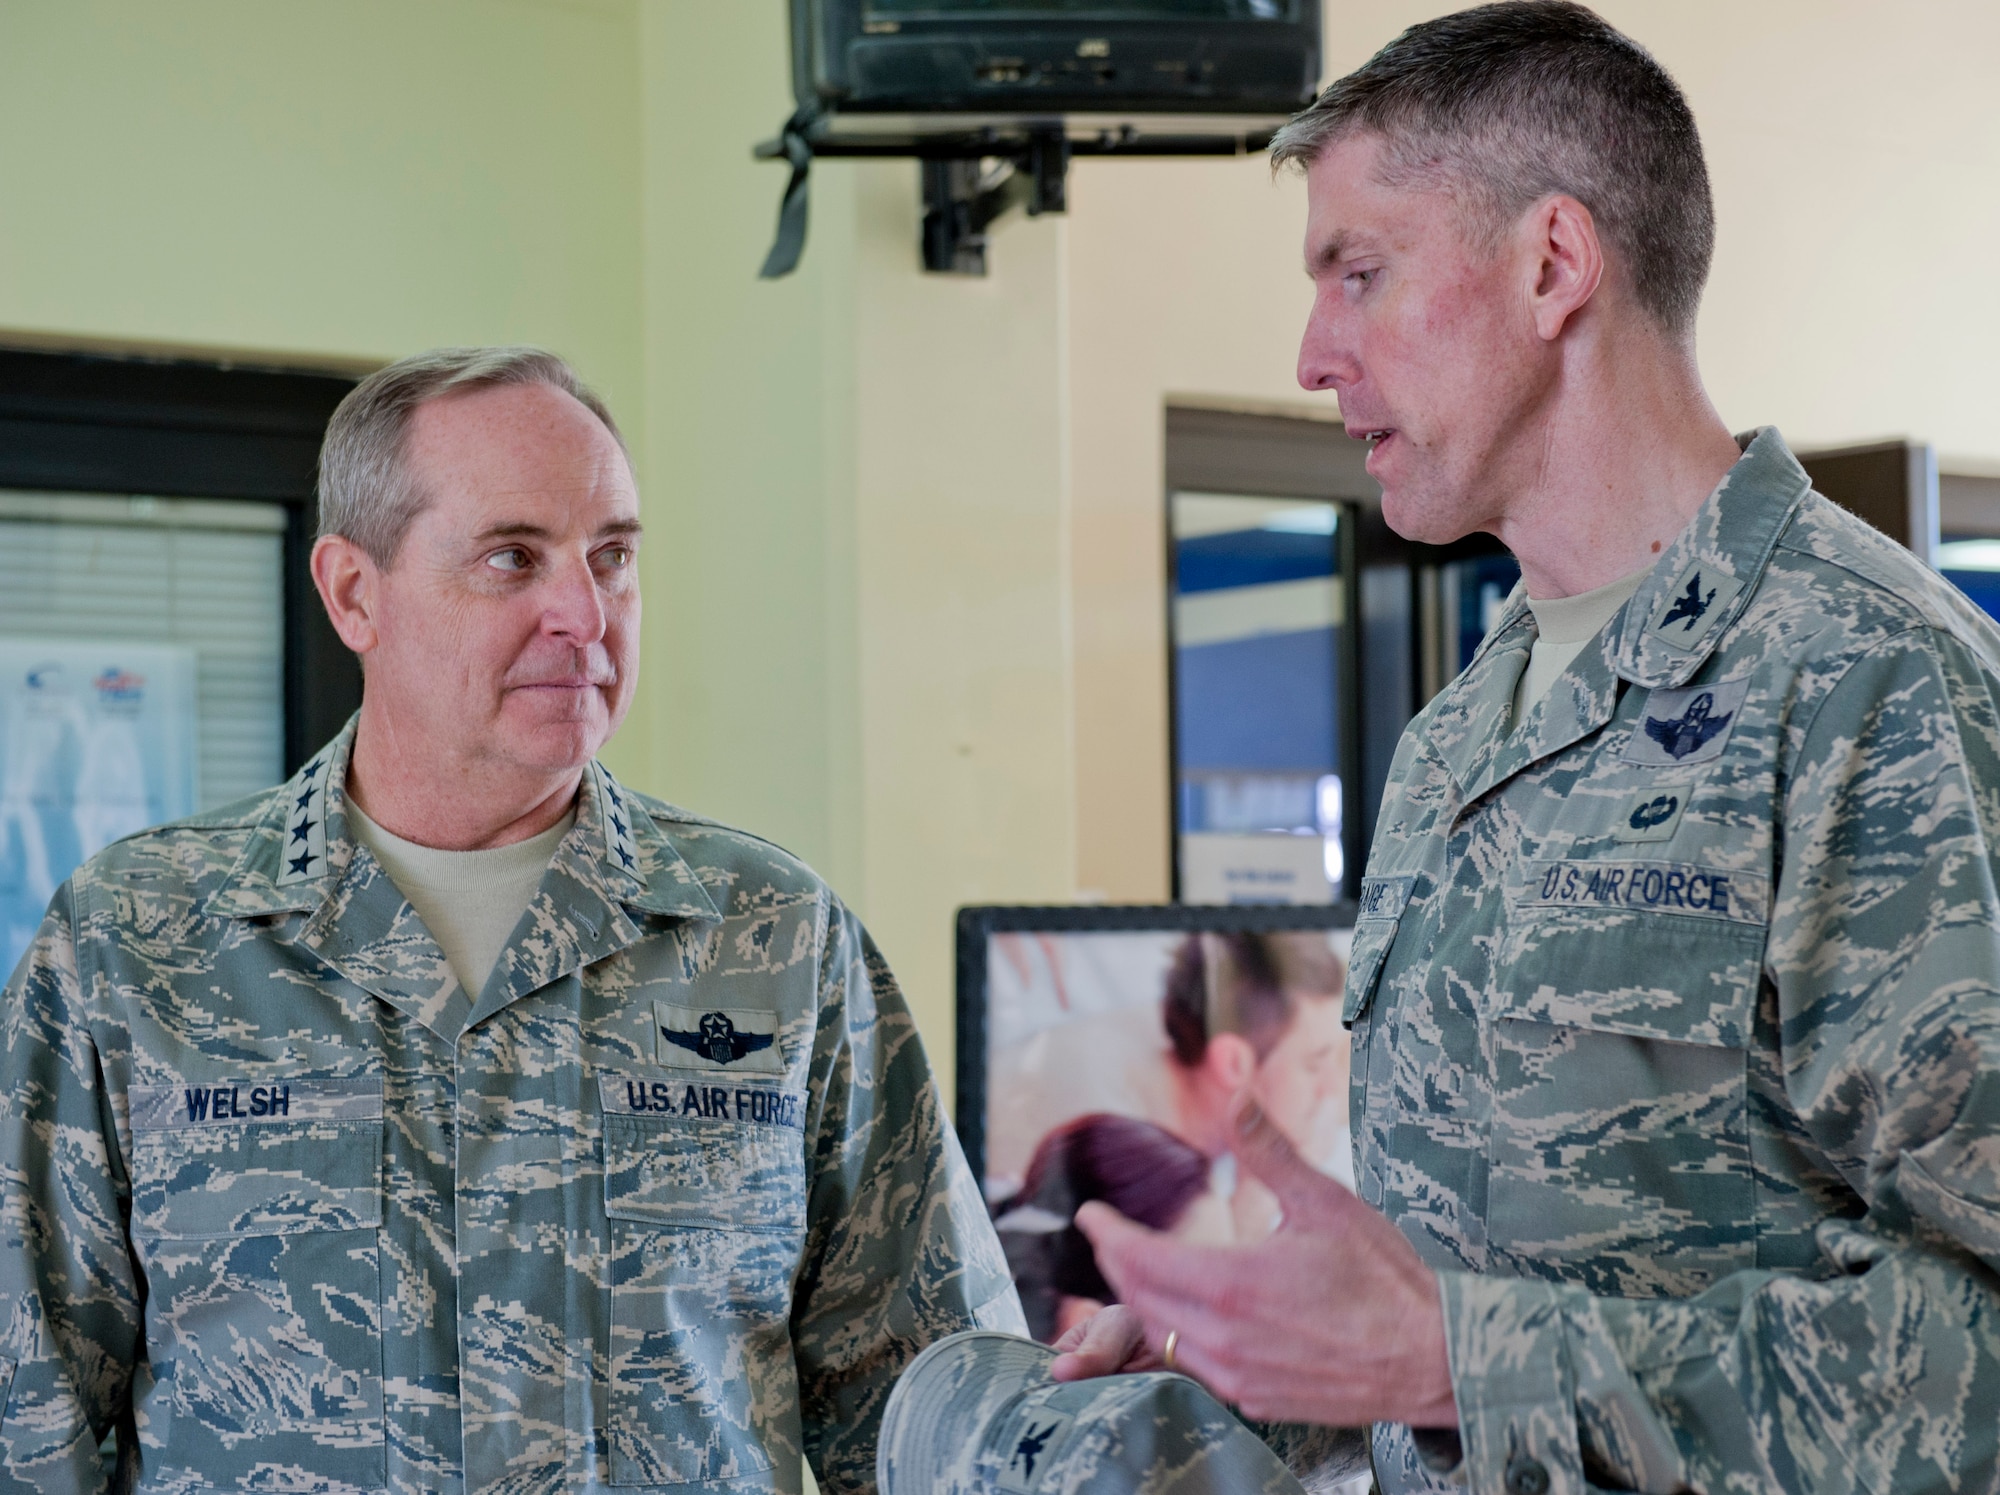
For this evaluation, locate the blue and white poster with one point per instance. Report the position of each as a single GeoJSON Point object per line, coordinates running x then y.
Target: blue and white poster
{"type": "Point", "coordinates": [97, 740]}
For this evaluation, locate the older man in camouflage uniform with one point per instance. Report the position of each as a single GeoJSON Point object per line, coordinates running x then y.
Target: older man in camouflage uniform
{"type": "Point", "coordinates": [1675, 991]}
{"type": "Point", "coordinates": [299, 1193]}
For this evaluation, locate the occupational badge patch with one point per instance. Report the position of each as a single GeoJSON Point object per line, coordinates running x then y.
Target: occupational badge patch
{"type": "Point", "coordinates": [1651, 816]}
{"type": "Point", "coordinates": [1690, 725]}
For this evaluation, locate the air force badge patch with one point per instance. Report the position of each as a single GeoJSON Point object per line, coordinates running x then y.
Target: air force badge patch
{"type": "Point", "coordinates": [1686, 726]}
{"type": "Point", "coordinates": [738, 1040]}
{"type": "Point", "coordinates": [1694, 602]}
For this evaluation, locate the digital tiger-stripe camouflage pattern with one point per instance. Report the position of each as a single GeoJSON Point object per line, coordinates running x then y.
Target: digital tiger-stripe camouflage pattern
{"type": "Point", "coordinates": [668, 1204]}
{"type": "Point", "coordinates": [1676, 1010]}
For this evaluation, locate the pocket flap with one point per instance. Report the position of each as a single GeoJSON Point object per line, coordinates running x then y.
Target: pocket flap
{"type": "Point", "coordinates": [1643, 975]}
{"type": "Point", "coordinates": [257, 1180]}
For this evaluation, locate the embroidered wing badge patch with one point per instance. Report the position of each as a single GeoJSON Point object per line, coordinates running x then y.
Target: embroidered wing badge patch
{"type": "Point", "coordinates": [1686, 726]}
{"type": "Point", "coordinates": [710, 1038]}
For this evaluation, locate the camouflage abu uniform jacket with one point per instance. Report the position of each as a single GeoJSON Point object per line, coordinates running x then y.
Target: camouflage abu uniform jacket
{"type": "Point", "coordinates": [1677, 1027]}
{"type": "Point", "coordinates": [671, 1201]}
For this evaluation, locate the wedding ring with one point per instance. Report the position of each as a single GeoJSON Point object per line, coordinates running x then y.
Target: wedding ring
{"type": "Point", "coordinates": [1167, 1350]}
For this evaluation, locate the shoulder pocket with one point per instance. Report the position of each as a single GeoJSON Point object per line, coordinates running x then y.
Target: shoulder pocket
{"type": "Point", "coordinates": [259, 1234]}
{"type": "Point", "coordinates": [705, 1189]}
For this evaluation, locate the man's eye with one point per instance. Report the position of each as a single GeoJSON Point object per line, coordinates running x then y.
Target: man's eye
{"type": "Point", "coordinates": [511, 559]}
{"type": "Point", "coordinates": [1360, 279]}
{"type": "Point", "coordinates": [616, 556]}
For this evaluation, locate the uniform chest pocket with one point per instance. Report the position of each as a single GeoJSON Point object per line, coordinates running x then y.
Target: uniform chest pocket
{"type": "Point", "coordinates": [1620, 1153]}
{"type": "Point", "coordinates": [259, 1236]}
{"type": "Point", "coordinates": [707, 1221]}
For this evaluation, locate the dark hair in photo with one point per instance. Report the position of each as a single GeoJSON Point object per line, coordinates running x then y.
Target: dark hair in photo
{"type": "Point", "coordinates": [1144, 1172]}
{"type": "Point", "coordinates": [1237, 982]}
{"type": "Point", "coordinates": [1506, 104]}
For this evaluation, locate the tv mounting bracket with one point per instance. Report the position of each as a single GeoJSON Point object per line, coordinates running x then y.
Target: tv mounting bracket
{"type": "Point", "coordinates": [976, 167]}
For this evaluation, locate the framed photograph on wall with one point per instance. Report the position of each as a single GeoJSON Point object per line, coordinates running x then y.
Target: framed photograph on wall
{"type": "Point", "coordinates": [1102, 1052]}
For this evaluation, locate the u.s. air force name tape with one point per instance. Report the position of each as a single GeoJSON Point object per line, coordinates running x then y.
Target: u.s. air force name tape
{"type": "Point", "coordinates": [650, 1096]}
{"type": "Point", "coordinates": [976, 1414]}
{"type": "Point", "coordinates": [242, 1102]}
{"type": "Point", "coordinates": [1647, 887]}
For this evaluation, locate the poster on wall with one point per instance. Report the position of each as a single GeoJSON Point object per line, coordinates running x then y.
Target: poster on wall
{"type": "Point", "coordinates": [97, 740]}
{"type": "Point", "coordinates": [1106, 1063]}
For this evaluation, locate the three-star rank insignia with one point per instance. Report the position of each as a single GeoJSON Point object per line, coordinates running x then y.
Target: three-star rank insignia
{"type": "Point", "coordinates": [302, 856]}
{"type": "Point", "coordinates": [739, 1040]}
{"type": "Point", "coordinates": [619, 849]}
{"type": "Point", "coordinates": [1692, 604]}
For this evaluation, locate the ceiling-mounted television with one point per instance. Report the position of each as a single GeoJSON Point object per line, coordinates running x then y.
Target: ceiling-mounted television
{"type": "Point", "coordinates": [1173, 57]}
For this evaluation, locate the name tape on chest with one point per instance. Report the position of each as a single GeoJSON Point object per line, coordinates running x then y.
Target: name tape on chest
{"type": "Point", "coordinates": [1647, 887]}
{"type": "Point", "coordinates": [233, 1103]}
{"type": "Point", "coordinates": [738, 1040]}
{"type": "Point", "coordinates": [1679, 728]}
{"type": "Point", "coordinates": [1384, 897]}
{"type": "Point", "coordinates": [1698, 598]}
{"type": "Point", "coordinates": [756, 1105]}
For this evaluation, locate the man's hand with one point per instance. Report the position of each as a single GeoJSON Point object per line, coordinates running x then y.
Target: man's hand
{"type": "Point", "coordinates": [1109, 1341]}
{"type": "Point", "coordinates": [1332, 1320]}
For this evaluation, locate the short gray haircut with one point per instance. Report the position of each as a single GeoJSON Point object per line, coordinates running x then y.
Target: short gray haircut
{"type": "Point", "coordinates": [1506, 104]}
{"type": "Point", "coordinates": [366, 491]}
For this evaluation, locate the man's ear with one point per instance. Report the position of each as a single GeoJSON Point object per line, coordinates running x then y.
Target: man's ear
{"type": "Point", "coordinates": [1229, 1062]}
{"type": "Point", "coordinates": [1567, 259]}
{"type": "Point", "coordinates": [349, 583]}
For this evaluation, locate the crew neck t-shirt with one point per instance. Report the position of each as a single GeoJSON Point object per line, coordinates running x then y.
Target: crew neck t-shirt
{"type": "Point", "coordinates": [1563, 625]}
{"type": "Point", "coordinates": [470, 901]}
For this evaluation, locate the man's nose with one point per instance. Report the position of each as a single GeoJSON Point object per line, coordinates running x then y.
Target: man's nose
{"type": "Point", "coordinates": [573, 605]}
{"type": "Point", "coordinates": [1326, 353]}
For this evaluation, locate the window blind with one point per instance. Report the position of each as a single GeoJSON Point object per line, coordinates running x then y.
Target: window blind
{"type": "Point", "coordinates": [204, 574]}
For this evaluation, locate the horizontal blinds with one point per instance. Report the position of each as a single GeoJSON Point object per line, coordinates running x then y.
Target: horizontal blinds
{"type": "Point", "coordinates": [203, 574]}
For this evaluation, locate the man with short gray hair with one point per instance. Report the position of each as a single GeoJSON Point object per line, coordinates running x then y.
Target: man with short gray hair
{"type": "Point", "coordinates": [454, 1118]}
{"type": "Point", "coordinates": [1675, 989]}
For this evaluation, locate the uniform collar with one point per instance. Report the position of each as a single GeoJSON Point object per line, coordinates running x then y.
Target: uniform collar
{"type": "Point", "coordinates": [300, 847]}
{"type": "Point", "coordinates": [1702, 582]}
{"type": "Point", "coordinates": [1708, 575]}
{"type": "Point", "coordinates": [614, 867]}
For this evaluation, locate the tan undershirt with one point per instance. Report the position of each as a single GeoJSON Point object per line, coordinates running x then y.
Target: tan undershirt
{"type": "Point", "coordinates": [1563, 625]}
{"type": "Point", "coordinates": [470, 901]}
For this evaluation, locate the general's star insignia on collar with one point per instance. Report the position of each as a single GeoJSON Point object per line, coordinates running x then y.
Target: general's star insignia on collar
{"type": "Point", "coordinates": [304, 856]}
{"type": "Point", "coordinates": [619, 849]}
{"type": "Point", "coordinates": [1700, 596]}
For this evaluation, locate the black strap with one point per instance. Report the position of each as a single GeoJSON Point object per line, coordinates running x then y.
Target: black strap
{"type": "Point", "coordinates": [790, 242]}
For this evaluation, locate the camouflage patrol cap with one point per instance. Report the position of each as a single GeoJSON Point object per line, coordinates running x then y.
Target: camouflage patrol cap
{"type": "Point", "coordinates": [976, 1414]}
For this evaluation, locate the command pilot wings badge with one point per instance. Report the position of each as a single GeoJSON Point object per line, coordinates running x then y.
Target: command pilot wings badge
{"type": "Point", "coordinates": [708, 1038]}
{"type": "Point", "coordinates": [1690, 725]}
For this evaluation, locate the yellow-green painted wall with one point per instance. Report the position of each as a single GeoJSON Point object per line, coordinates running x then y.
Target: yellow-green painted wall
{"type": "Point", "coordinates": [325, 183]}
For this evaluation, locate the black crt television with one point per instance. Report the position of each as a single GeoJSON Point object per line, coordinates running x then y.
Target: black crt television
{"type": "Point", "coordinates": [1174, 57]}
